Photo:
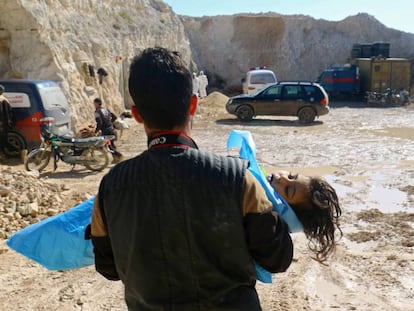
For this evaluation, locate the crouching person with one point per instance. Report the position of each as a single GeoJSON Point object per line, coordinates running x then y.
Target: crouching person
{"type": "Point", "coordinates": [104, 123]}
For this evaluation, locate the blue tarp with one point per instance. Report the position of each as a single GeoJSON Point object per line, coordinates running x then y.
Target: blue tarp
{"type": "Point", "coordinates": [243, 141]}
{"type": "Point", "coordinates": [58, 242]}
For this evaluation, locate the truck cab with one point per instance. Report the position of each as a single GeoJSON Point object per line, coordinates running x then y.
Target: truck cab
{"type": "Point", "coordinates": [32, 100]}
{"type": "Point", "coordinates": [341, 79]}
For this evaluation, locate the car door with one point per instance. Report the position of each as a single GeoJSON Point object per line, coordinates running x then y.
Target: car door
{"type": "Point", "coordinates": [267, 102]}
{"type": "Point", "coordinates": [291, 100]}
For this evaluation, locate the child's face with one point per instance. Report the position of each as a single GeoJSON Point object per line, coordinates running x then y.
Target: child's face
{"type": "Point", "coordinates": [293, 188]}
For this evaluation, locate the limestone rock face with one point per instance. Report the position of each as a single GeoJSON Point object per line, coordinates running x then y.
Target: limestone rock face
{"type": "Point", "coordinates": [68, 40]}
{"type": "Point", "coordinates": [296, 46]}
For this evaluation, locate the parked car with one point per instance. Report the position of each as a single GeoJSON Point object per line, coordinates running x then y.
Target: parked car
{"type": "Point", "coordinates": [306, 100]}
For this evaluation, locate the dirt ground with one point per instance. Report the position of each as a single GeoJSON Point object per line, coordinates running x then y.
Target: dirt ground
{"type": "Point", "coordinates": [367, 153]}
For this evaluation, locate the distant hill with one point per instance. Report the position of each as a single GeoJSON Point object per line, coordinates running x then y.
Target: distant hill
{"type": "Point", "coordinates": [294, 46]}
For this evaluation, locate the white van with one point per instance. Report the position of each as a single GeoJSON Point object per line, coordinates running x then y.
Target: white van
{"type": "Point", "coordinates": [257, 79]}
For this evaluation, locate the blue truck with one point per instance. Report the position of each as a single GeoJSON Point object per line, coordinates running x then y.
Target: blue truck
{"type": "Point", "coordinates": [341, 79]}
{"type": "Point", "coordinates": [365, 75]}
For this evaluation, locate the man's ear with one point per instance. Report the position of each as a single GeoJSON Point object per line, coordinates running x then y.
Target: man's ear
{"type": "Point", "coordinates": [193, 104]}
{"type": "Point", "coordinates": [136, 114]}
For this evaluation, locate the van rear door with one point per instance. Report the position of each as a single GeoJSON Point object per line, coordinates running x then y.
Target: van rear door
{"type": "Point", "coordinates": [56, 106]}
{"type": "Point", "coordinates": [32, 100]}
{"type": "Point", "coordinates": [257, 80]}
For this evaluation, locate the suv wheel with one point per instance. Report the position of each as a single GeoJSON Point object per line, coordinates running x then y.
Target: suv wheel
{"type": "Point", "coordinates": [244, 113]}
{"type": "Point", "coordinates": [306, 115]}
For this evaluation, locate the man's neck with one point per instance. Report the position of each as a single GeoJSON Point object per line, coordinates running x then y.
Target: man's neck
{"type": "Point", "coordinates": [186, 129]}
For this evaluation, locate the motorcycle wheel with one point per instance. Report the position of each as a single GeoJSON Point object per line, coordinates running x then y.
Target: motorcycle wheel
{"type": "Point", "coordinates": [96, 159]}
{"type": "Point", "coordinates": [37, 159]}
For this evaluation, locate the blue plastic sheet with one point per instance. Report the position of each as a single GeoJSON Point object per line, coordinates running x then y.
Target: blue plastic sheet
{"type": "Point", "coordinates": [58, 242]}
{"type": "Point", "coordinates": [243, 141]}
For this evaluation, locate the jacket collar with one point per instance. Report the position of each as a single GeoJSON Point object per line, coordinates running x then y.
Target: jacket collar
{"type": "Point", "coordinates": [170, 139]}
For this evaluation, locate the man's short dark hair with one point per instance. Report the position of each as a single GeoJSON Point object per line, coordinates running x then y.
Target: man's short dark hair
{"type": "Point", "coordinates": [161, 87]}
{"type": "Point", "coordinates": [98, 101]}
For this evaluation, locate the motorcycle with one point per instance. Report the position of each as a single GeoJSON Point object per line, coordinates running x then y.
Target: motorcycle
{"type": "Point", "coordinates": [92, 152]}
{"type": "Point", "coordinates": [389, 98]}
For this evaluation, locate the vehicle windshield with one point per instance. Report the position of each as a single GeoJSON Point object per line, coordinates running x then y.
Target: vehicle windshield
{"type": "Point", "coordinates": [272, 90]}
{"type": "Point", "coordinates": [255, 93]}
{"type": "Point", "coordinates": [262, 78]}
{"type": "Point", "coordinates": [52, 97]}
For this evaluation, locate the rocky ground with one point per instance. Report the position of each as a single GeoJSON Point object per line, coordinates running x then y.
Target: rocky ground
{"type": "Point", "coordinates": [366, 152]}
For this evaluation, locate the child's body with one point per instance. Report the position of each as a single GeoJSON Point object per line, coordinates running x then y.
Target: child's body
{"type": "Point", "coordinates": [315, 204]}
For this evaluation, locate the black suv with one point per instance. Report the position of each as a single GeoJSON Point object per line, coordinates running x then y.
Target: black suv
{"type": "Point", "coordinates": [306, 100]}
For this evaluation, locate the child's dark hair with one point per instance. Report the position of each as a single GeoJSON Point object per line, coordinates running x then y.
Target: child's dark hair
{"type": "Point", "coordinates": [320, 220]}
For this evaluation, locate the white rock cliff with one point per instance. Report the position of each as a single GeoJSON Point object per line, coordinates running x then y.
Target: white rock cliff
{"type": "Point", "coordinates": [67, 40]}
{"type": "Point", "coordinates": [61, 39]}
{"type": "Point", "coordinates": [296, 47]}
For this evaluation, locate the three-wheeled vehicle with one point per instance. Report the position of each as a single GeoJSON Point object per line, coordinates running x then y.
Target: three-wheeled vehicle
{"type": "Point", "coordinates": [32, 100]}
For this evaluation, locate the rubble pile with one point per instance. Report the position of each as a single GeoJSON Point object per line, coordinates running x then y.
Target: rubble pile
{"type": "Point", "coordinates": [26, 199]}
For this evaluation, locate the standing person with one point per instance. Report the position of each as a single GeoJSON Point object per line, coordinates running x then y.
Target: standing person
{"type": "Point", "coordinates": [6, 121]}
{"type": "Point", "coordinates": [182, 227]}
{"type": "Point", "coordinates": [196, 84]}
{"type": "Point", "coordinates": [104, 123]}
{"type": "Point", "coordinates": [203, 82]}
{"type": "Point", "coordinates": [404, 96]}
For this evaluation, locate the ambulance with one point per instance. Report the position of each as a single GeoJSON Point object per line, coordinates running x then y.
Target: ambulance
{"type": "Point", "coordinates": [257, 78]}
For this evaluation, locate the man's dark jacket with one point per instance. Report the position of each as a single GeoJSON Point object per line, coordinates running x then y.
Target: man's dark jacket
{"type": "Point", "coordinates": [177, 232]}
{"type": "Point", "coordinates": [6, 115]}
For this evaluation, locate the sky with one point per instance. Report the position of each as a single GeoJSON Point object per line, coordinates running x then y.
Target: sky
{"type": "Point", "coordinates": [397, 14]}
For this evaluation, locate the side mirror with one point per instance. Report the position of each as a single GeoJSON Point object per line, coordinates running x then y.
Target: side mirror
{"type": "Point", "coordinates": [243, 80]}
{"type": "Point", "coordinates": [47, 120]}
